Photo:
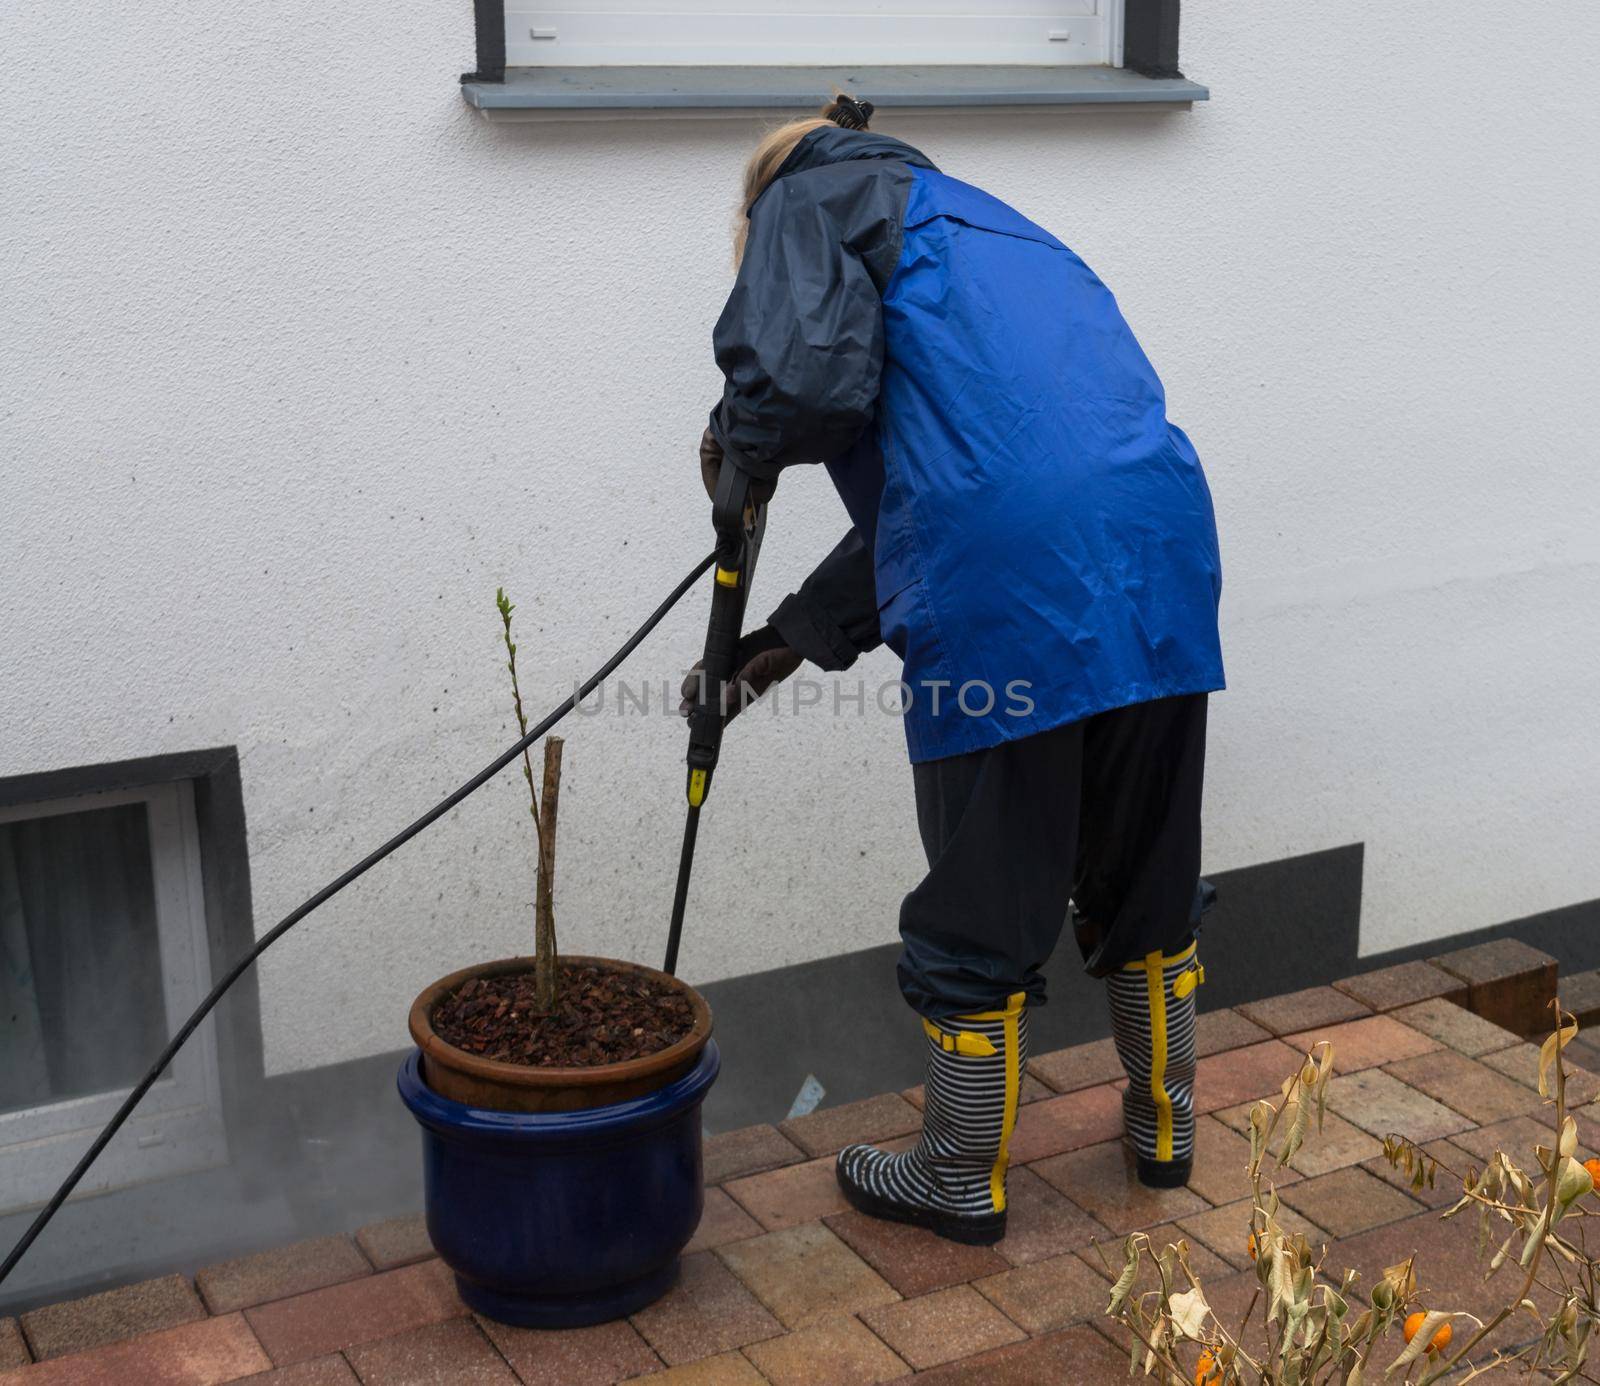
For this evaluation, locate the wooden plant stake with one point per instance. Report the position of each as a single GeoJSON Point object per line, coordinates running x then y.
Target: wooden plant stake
{"type": "Point", "coordinates": [546, 962]}
{"type": "Point", "coordinates": [544, 938]}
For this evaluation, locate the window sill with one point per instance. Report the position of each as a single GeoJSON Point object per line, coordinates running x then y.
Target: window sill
{"type": "Point", "coordinates": [590, 93]}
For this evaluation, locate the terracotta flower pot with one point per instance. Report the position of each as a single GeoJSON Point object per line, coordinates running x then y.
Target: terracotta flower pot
{"type": "Point", "coordinates": [504, 1087]}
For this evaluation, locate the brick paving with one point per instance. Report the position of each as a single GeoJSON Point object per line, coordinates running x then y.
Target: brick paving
{"type": "Point", "coordinates": [1043, 1221]}
{"type": "Point", "coordinates": [947, 1325]}
{"type": "Point", "coordinates": [396, 1242]}
{"type": "Point", "coordinates": [13, 1350]}
{"type": "Point", "coordinates": [842, 1350]}
{"type": "Point", "coordinates": [1225, 1231]}
{"type": "Point", "coordinates": [1338, 1143]}
{"type": "Point", "coordinates": [1389, 988]}
{"type": "Point", "coordinates": [1508, 982]}
{"type": "Point", "coordinates": [1067, 1123]}
{"type": "Point", "coordinates": [1299, 1010]}
{"type": "Point", "coordinates": [596, 1356]}
{"type": "Point", "coordinates": [1522, 1063]}
{"type": "Point", "coordinates": [1348, 1201]}
{"type": "Point", "coordinates": [1445, 1189]}
{"type": "Point", "coordinates": [1457, 1028]}
{"type": "Point", "coordinates": [1082, 1066]}
{"type": "Point", "coordinates": [1100, 1178]}
{"type": "Point", "coordinates": [1242, 1075]}
{"type": "Point", "coordinates": [784, 1284]}
{"type": "Point", "coordinates": [1368, 1043]}
{"type": "Point", "coordinates": [721, 1222]}
{"type": "Point", "coordinates": [1378, 1102]}
{"type": "Point", "coordinates": [710, 1311]}
{"type": "Point", "coordinates": [1047, 1294]}
{"type": "Point", "coordinates": [915, 1264]}
{"type": "Point", "coordinates": [1580, 994]}
{"type": "Point", "coordinates": [277, 1274]}
{"type": "Point", "coordinates": [80, 1324]}
{"type": "Point", "coordinates": [786, 1197]}
{"type": "Point", "coordinates": [871, 1119]}
{"type": "Point", "coordinates": [1467, 1085]}
{"type": "Point", "coordinates": [1220, 1157]}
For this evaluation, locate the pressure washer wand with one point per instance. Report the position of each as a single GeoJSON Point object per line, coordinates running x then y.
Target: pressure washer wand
{"type": "Point", "coordinates": [739, 525]}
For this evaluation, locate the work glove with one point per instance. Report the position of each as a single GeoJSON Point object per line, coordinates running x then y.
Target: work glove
{"type": "Point", "coordinates": [711, 465]}
{"type": "Point", "coordinates": [762, 661]}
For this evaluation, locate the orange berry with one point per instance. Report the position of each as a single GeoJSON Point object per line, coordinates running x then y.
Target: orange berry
{"type": "Point", "coordinates": [1204, 1367]}
{"type": "Point", "coordinates": [1251, 1245]}
{"type": "Point", "coordinates": [1441, 1339]}
{"type": "Point", "coordinates": [1593, 1166]}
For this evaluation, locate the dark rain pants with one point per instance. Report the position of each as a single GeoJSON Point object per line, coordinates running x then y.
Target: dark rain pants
{"type": "Point", "coordinates": [1104, 813]}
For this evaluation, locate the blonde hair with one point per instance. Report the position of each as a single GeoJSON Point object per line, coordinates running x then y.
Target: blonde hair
{"type": "Point", "coordinates": [768, 158]}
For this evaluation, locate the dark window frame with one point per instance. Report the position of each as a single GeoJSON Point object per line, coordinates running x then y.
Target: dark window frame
{"type": "Point", "coordinates": [1150, 37]}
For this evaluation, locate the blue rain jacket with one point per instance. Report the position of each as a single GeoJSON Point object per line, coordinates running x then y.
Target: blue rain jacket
{"type": "Point", "coordinates": [1029, 532]}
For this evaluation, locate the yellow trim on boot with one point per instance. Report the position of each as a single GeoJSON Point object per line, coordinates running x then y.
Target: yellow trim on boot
{"type": "Point", "coordinates": [1008, 1120]}
{"type": "Point", "coordinates": [968, 1042]}
{"type": "Point", "coordinates": [1139, 964]}
{"type": "Point", "coordinates": [1013, 1008]}
{"type": "Point", "coordinates": [1187, 980]}
{"type": "Point", "coordinates": [1156, 993]}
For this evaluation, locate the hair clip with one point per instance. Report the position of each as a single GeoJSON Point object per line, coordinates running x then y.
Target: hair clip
{"type": "Point", "coordinates": [850, 113]}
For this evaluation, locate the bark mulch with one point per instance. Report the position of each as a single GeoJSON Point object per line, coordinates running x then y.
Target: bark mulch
{"type": "Point", "coordinates": [601, 1017]}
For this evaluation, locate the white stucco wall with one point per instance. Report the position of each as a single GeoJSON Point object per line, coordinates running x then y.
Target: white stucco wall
{"type": "Point", "coordinates": [301, 360]}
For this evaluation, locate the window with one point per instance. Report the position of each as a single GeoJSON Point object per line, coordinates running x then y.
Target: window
{"type": "Point", "coordinates": [590, 33]}
{"type": "Point", "coordinates": [587, 59]}
{"type": "Point", "coordinates": [103, 953]}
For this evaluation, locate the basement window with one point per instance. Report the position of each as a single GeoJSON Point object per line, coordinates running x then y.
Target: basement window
{"type": "Point", "coordinates": [539, 59]}
{"type": "Point", "coordinates": [103, 953]}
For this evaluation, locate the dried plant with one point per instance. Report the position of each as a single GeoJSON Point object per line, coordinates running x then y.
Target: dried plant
{"type": "Point", "coordinates": [1311, 1330]}
{"type": "Point", "coordinates": [1543, 1217]}
{"type": "Point", "coordinates": [543, 809]}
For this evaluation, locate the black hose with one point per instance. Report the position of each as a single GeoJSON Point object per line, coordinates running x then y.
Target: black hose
{"type": "Point", "coordinates": [322, 897]}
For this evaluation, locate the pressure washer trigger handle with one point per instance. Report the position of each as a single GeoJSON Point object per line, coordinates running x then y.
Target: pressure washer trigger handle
{"type": "Point", "coordinates": [738, 528]}
{"type": "Point", "coordinates": [728, 518]}
{"type": "Point", "coordinates": [718, 667]}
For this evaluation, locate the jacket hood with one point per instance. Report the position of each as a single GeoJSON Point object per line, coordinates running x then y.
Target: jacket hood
{"type": "Point", "coordinates": [833, 144]}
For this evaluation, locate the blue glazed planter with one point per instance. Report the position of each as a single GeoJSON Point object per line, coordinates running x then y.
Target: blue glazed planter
{"type": "Point", "coordinates": [559, 1219]}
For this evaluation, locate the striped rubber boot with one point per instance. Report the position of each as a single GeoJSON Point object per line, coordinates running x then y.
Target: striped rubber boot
{"type": "Point", "coordinates": [1152, 1022]}
{"type": "Point", "coordinates": [953, 1181]}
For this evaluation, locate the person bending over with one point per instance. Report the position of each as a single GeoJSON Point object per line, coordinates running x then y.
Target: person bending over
{"type": "Point", "coordinates": [1036, 542]}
